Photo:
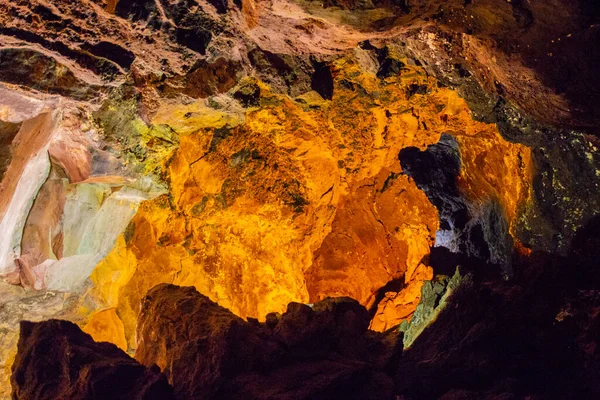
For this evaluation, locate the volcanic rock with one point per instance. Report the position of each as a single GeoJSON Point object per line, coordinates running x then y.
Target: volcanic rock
{"type": "Point", "coordinates": [277, 153]}
{"type": "Point", "coordinates": [208, 353]}
{"type": "Point", "coordinates": [56, 360]}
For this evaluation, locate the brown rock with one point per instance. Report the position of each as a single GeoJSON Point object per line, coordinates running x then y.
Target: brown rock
{"type": "Point", "coordinates": [56, 360]}
{"type": "Point", "coordinates": [197, 343]}
{"type": "Point", "coordinates": [8, 131]}
{"type": "Point", "coordinates": [312, 353]}
{"type": "Point", "coordinates": [325, 379]}
{"type": "Point", "coordinates": [205, 79]}
{"type": "Point", "coordinates": [43, 73]}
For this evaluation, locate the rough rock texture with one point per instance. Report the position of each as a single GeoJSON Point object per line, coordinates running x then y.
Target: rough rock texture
{"type": "Point", "coordinates": [532, 337]}
{"type": "Point", "coordinates": [306, 353]}
{"type": "Point", "coordinates": [19, 304]}
{"type": "Point", "coordinates": [435, 295]}
{"type": "Point", "coordinates": [56, 360]}
{"type": "Point", "coordinates": [297, 200]}
{"type": "Point", "coordinates": [489, 339]}
{"type": "Point", "coordinates": [268, 152]}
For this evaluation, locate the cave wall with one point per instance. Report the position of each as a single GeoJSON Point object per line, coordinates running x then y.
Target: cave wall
{"type": "Point", "coordinates": [274, 152]}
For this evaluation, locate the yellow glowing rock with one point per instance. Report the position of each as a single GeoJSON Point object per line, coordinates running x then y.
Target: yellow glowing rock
{"type": "Point", "coordinates": [495, 169]}
{"type": "Point", "coordinates": [112, 273]}
{"type": "Point", "coordinates": [8, 352]}
{"type": "Point", "coordinates": [379, 234]}
{"type": "Point", "coordinates": [250, 253]}
{"type": "Point", "coordinates": [105, 326]}
{"type": "Point", "coordinates": [187, 119]}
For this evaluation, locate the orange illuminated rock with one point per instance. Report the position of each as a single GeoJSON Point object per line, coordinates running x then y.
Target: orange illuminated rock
{"type": "Point", "coordinates": [298, 199]}
{"type": "Point", "coordinates": [396, 307]}
{"type": "Point", "coordinates": [495, 169]}
{"type": "Point", "coordinates": [380, 233]}
{"type": "Point", "coordinates": [253, 150]}
{"type": "Point", "coordinates": [105, 326]}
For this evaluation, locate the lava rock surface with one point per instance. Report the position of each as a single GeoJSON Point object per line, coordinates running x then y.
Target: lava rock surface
{"type": "Point", "coordinates": [306, 353]}
{"type": "Point", "coordinates": [56, 360]}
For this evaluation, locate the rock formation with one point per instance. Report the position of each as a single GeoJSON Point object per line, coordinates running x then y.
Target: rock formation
{"type": "Point", "coordinates": [488, 341]}
{"type": "Point", "coordinates": [305, 353]}
{"type": "Point", "coordinates": [277, 153]}
{"type": "Point", "coordinates": [56, 360]}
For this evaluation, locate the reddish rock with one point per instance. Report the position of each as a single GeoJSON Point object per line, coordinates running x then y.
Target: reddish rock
{"type": "Point", "coordinates": [56, 360]}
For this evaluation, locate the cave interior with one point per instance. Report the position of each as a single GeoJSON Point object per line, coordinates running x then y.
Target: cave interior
{"type": "Point", "coordinates": [299, 199]}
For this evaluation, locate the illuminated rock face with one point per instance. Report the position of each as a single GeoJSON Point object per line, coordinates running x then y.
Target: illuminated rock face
{"type": "Point", "coordinates": [291, 200]}
{"type": "Point", "coordinates": [300, 200]}
{"type": "Point", "coordinates": [274, 152]}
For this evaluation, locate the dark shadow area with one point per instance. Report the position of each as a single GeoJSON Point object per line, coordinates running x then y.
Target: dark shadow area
{"type": "Point", "coordinates": [135, 9]}
{"type": "Point", "coordinates": [220, 5]}
{"type": "Point", "coordinates": [322, 80]}
{"type": "Point", "coordinates": [113, 52]}
{"type": "Point", "coordinates": [481, 242]}
{"type": "Point", "coordinates": [194, 39]}
{"type": "Point", "coordinates": [535, 336]}
{"type": "Point", "coordinates": [585, 255]}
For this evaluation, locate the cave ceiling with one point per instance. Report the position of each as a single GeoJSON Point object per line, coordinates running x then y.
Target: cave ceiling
{"type": "Point", "coordinates": [269, 152]}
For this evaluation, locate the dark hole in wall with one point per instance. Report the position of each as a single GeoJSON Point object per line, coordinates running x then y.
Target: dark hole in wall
{"type": "Point", "coordinates": [478, 239]}
{"type": "Point", "coordinates": [322, 80]}
{"type": "Point", "coordinates": [389, 67]}
{"type": "Point", "coordinates": [434, 171]}
{"type": "Point", "coordinates": [415, 88]}
{"type": "Point", "coordinates": [220, 5]}
{"type": "Point", "coordinates": [46, 13]}
{"type": "Point", "coordinates": [135, 9]}
{"type": "Point", "coordinates": [194, 39]}
{"type": "Point", "coordinates": [248, 95]}
{"type": "Point", "coordinates": [113, 52]}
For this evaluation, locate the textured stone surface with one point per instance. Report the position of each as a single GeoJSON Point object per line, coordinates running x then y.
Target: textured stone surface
{"type": "Point", "coordinates": [57, 360]}
{"type": "Point", "coordinates": [300, 200]}
{"type": "Point", "coordinates": [207, 352]}
{"type": "Point", "coordinates": [19, 304]}
{"type": "Point", "coordinates": [525, 338]}
{"type": "Point", "coordinates": [435, 295]}
{"type": "Point", "coordinates": [487, 339]}
{"type": "Point", "coordinates": [20, 184]}
{"type": "Point", "coordinates": [268, 152]}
